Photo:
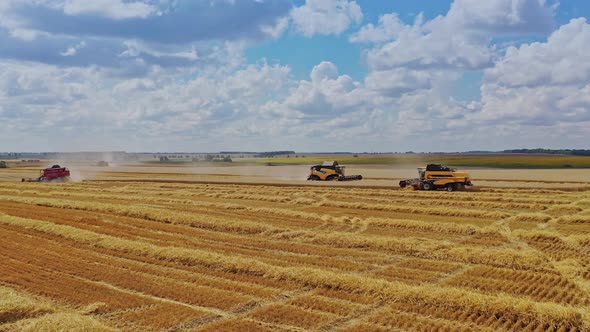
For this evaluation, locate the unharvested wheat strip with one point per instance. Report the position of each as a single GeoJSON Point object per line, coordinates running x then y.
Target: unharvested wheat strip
{"type": "Point", "coordinates": [64, 288]}
{"type": "Point", "coordinates": [167, 232]}
{"type": "Point", "coordinates": [244, 313]}
{"type": "Point", "coordinates": [288, 315]}
{"type": "Point", "coordinates": [283, 212]}
{"type": "Point", "coordinates": [418, 210]}
{"type": "Point", "coordinates": [106, 263]}
{"type": "Point", "coordinates": [160, 200]}
{"type": "Point", "coordinates": [411, 276]}
{"type": "Point", "coordinates": [263, 253]}
{"type": "Point", "coordinates": [137, 282]}
{"type": "Point", "coordinates": [443, 202]}
{"type": "Point", "coordinates": [330, 241]}
{"type": "Point", "coordinates": [408, 247]}
{"type": "Point", "coordinates": [432, 250]}
{"type": "Point", "coordinates": [445, 228]}
{"type": "Point", "coordinates": [414, 321]}
{"type": "Point", "coordinates": [576, 219]}
{"type": "Point", "coordinates": [156, 299]}
{"type": "Point", "coordinates": [325, 304]}
{"type": "Point", "coordinates": [15, 305]}
{"type": "Point", "coordinates": [200, 311]}
{"type": "Point", "coordinates": [232, 276]}
{"type": "Point", "coordinates": [243, 324]}
{"type": "Point", "coordinates": [162, 316]}
{"type": "Point", "coordinates": [214, 207]}
{"type": "Point", "coordinates": [495, 286]}
{"type": "Point", "coordinates": [150, 214]}
{"type": "Point", "coordinates": [23, 312]}
{"type": "Point", "coordinates": [454, 299]}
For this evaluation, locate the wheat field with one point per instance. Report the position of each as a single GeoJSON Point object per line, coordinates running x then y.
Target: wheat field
{"type": "Point", "coordinates": [137, 256]}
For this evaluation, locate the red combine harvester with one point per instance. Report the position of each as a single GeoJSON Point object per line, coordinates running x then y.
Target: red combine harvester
{"type": "Point", "coordinates": [54, 173]}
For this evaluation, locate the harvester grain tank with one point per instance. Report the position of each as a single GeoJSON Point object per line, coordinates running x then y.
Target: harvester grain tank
{"type": "Point", "coordinates": [54, 173]}
{"type": "Point", "coordinates": [435, 176]}
{"type": "Point", "coordinates": [330, 171]}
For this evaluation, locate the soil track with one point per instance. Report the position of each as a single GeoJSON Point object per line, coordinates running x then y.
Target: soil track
{"type": "Point", "coordinates": [180, 255]}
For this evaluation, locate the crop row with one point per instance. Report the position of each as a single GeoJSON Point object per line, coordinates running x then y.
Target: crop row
{"type": "Point", "coordinates": [449, 299]}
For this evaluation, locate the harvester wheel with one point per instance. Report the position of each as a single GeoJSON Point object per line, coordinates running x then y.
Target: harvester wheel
{"type": "Point", "coordinates": [427, 186]}
{"type": "Point", "coordinates": [450, 187]}
{"type": "Point", "coordinates": [332, 178]}
{"type": "Point", "coordinates": [314, 178]}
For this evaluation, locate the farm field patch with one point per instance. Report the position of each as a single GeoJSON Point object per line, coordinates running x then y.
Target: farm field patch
{"type": "Point", "coordinates": [136, 256]}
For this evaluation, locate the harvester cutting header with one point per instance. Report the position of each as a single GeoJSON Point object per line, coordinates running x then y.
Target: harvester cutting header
{"type": "Point", "coordinates": [54, 173]}
{"type": "Point", "coordinates": [330, 171]}
{"type": "Point", "coordinates": [435, 176]}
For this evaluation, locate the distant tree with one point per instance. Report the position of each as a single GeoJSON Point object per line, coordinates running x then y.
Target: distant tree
{"type": "Point", "coordinates": [355, 155]}
{"type": "Point", "coordinates": [209, 157]}
{"type": "Point", "coordinates": [227, 159]}
{"type": "Point", "coordinates": [3, 164]}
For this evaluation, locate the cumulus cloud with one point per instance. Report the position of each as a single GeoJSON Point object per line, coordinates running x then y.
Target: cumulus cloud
{"type": "Point", "coordinates": [186, 21]}
{"type": "Point", "coordinates": [277, 29]}
{"type": "Point", "coordinates": [460, 39]}
{"type": "Point", "coordinates": [326, 94]}
{"type": "Point", "coordinates": [560, 60]}
{"type": "Point", "coordinates": [173, 75]}
{"type": "Point", "coordinates": [72, 50]}
{"type": "Point", "coordinates": [541, 83]}
{"type": "Point", "coordinates": [44, 99]}
{"type": "Point", "coordinates": [504, 17]}
{"type": "Point", "coordinates": [326, 17]}
{"type": "Point", "coordinates": [389, 26]}
{"type": "Point", "coordinates": [115, 9]}
{"type": "Point", "coordinates": [134, 35]}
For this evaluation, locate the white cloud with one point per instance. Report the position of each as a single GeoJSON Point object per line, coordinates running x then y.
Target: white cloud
{"type": "Point", "coordinates": [498, 17]}
{"type": "Point", "coordinates": [326, 95]}
{"type": "Point", "coordinates": [98, 107]}
{"type": "Point", "coordinates": [563, 59]}
{"type": "Point", "coordinates": [395, 82]}
{"type": "Point", "coordinates": [541, 84]}
{"type": "Point", "coordinates": [326, 17]}
{"type": "Point", "coordinates": [115, 9]}
{"type": "Point", "coordinates": [388, 28]}
{"type": "Point", "coordinates": [460, 39]}
{"type": "Point", "coordinates": [275, 31]}
{"type": "Point", "coordinates": [135, 49]}
{"type": "Point", "coordinates": [73, 50]}
{"type": "Point", "coordinates": [421, 47]}
{"type": "Point", "coordinates": [156, 92]}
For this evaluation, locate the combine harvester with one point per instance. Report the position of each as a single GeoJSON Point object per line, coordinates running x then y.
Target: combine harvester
{"type": "Point", "coordinates": [54, 173]}
{"type": "Point", "coordinates": [435, 176]}
{"type": "Point", "coordinates": [330, 171]}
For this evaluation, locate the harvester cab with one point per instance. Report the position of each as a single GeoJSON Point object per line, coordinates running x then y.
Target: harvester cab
{"type": "Point", "coordinates": [54, 173]}
{"type": "Point", "coordinates": [435, 176]}
{"type": "Point", "coordinates": [330, 171]}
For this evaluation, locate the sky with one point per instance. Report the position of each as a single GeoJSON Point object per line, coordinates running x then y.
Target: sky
{"type": "Point", "coordinates": [303, 75]}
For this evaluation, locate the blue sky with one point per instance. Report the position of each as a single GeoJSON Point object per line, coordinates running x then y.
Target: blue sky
{"type": "Point", "coordinates": [305, 75]}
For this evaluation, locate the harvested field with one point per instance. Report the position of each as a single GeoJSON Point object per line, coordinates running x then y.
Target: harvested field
{"type": "Point", "coordinates": [136, 256]}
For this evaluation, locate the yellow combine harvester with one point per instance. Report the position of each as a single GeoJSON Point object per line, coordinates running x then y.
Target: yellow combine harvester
{"type": "Point", "coordinates": [435, 176]}
{"type": "Point", "coordinates": [330, 171]}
